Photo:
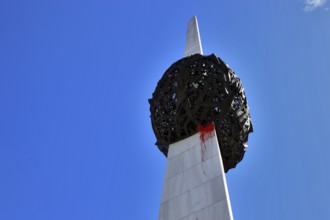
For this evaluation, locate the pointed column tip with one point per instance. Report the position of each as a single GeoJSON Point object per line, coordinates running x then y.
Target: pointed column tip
{"type": "Point", "coordinates": [193, 41]}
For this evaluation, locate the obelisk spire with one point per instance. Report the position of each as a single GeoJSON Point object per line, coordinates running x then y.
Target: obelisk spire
{"type": "Point", "coordinates": [193, 40]}
{"type": "Point", "coordinates": [195, 184]}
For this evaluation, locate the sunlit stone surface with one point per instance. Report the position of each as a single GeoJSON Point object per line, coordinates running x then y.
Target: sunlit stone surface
{"type": "Point", "coordinates": [193, 40]}
{"type": "Point", "coordinates": [195, 185]}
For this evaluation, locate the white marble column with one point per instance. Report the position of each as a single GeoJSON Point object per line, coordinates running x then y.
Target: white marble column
{"type": "Point", "coordinates": [193, 39]}
{"type": "Point", "coordinates": [195, 185]}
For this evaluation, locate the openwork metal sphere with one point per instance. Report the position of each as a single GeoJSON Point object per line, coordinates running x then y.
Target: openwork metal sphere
{"type": "Point", "coordinates": [199, 90]}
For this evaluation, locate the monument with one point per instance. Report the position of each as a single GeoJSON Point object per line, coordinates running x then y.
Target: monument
{"type": "Point", "coordinates": [201, 120]}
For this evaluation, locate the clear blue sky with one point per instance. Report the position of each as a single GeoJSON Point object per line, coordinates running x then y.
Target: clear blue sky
{"type": "Point", "coordinates": [75, 77]}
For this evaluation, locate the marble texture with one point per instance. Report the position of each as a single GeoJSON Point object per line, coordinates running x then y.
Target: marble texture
{"type": "Point", "coordinates": [193, 40]}
{"type": "Point", "coordinates": [194, 183]}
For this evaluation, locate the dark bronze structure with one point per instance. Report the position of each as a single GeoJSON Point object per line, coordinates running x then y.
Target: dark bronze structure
{"type": "Point", "coordinates": [199, 90]}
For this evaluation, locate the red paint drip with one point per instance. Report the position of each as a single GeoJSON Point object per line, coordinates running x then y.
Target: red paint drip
{"type": "Point", "coordinates": [205, 132]}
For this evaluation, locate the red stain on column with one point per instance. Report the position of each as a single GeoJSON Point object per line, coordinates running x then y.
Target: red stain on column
{"type": "Point", "coordinates": [205, 132]}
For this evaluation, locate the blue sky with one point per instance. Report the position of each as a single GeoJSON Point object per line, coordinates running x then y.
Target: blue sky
{"type": "Point", "coordinates": [75, 77]}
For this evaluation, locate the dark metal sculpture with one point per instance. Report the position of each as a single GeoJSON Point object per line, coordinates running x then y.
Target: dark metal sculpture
{"type": "Point", "coordinates": [199, 90]}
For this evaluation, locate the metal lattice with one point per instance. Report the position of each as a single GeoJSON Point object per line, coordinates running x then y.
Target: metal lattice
{"type": "Point", "coordinates": [200, 90]}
